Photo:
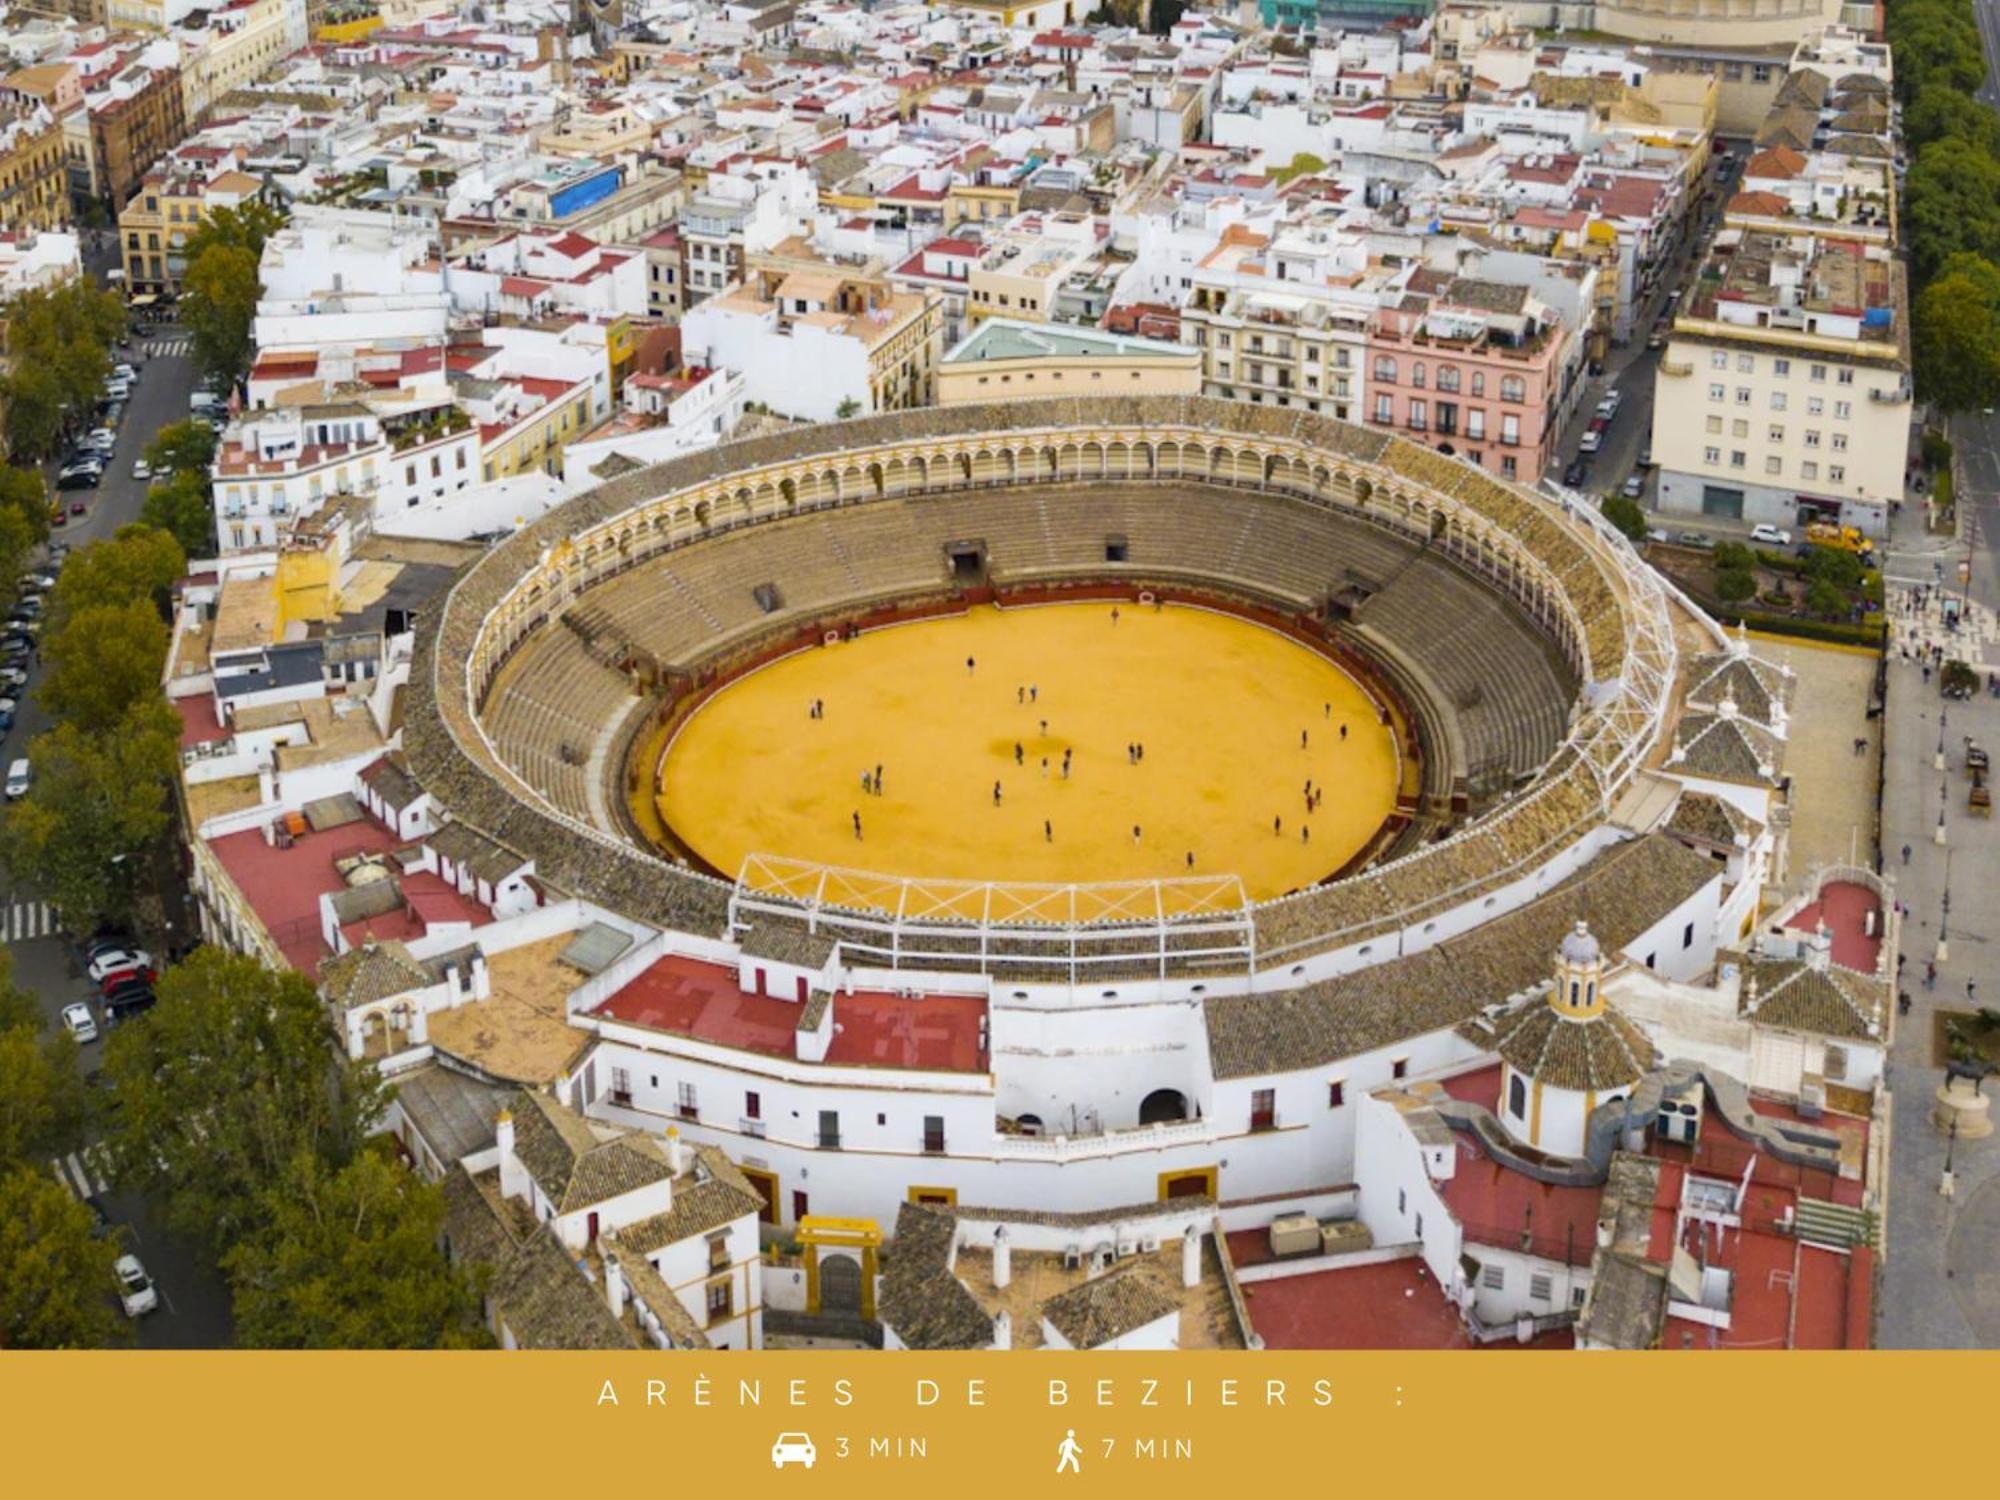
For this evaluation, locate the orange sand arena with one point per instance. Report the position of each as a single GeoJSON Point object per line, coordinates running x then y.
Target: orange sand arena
{"type": "Point", "coordinates": [1217, 702]}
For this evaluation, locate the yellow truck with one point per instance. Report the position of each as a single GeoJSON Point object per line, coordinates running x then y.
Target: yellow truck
{"type": "Point", "coordinates": [1828, 534]}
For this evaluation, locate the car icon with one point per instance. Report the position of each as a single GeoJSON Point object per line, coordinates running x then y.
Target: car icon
{"type": "Point", "coordinates": [792, 1448]}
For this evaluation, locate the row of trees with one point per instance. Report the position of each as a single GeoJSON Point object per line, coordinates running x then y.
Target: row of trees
{"type": "Point", "coordinates": [99, 803]}
{"type": "Point", "coordinates": [1951, 202]}
{"type": "Point", "coordinates": [234, 1106]}
{"type": "Point", "coordinates": [59, 342]}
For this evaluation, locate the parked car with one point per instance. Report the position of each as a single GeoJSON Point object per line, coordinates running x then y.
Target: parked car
{"type": "Point", "coordinates": [122, 980]}
{"type": "Point", "coordinates": [8, 708]}
{"type": "Point", "coordinates": [1655, 534]}
{"type": "Point", "coordinates": [110, 960]}
{"type": "Point", "coordinates": [19, 776]}
{"type": "Point", "coordinates": [103, 439]}
{"type": "Point", "coordinates": [1656, 340]}
{"type": "Point", "coordinates": [136, 1292]}
{"type": "Point", "coordinates": [1576, 473]}
{"type": "Point", "coordinates": [1646, 457]}
{"type": "Point", "coordinates": [141, 469]}
{"type": "Point", "coordinates": [1608, 407]}
{"type": "Point", "coordinates": [77, 507]}
{"type": "Point", "coordinates": [1695, 539]}
{"type": "Point", "coordinates": [1776, 535]}
{"type": "Point", "coordinates": [125, 999]}
{"type": "Point", "coordinates": [39, 583]}
{"type": "Point", "coordinates": [79, 1022]}
{"type": "Point", "coordinates": [1633, 487]}
{"type": "Point", "coordinates": [1592, 440]}
{"type": "Point", "coordinates": [81, 477]}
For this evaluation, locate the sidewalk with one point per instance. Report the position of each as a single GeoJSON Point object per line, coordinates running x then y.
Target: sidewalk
{"type": "Point", "coordinates": [1941, 1275]}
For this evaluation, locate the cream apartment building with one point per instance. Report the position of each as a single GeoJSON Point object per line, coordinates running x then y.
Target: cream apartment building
{"type": "Point", "coordinates": [1784, 391]}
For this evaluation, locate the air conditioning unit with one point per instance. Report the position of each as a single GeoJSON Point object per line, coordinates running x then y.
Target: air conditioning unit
{"type": "Point", "coordinates": [1072, 1257]}
{"type": "Point", "coordinates": [1148, 1243]}
{"type": "Point", "coordinates": [1812, 1096]}
{"type": "Point", "coordinates": [1679, 1118]}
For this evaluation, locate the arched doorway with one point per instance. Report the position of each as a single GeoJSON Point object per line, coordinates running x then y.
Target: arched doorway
{"type": "Point", "coordinates": [840, 1284]}
{"type": "Point", "coordinates": [1163, 1106]}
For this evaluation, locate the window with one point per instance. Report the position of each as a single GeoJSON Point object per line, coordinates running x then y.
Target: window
{"type": "Point", "coordinates": [1808, 470]}
{"type": "Point", "coordinates": [718, 1251]}
{"type": "Point", "coordinates": [753, 1107]}
{"type": "Point", "coordinates": [1745, 363]}
{"type": "Point", "coordinates": [1835, 1065]}
{"type": "Point", "coordinates": [1263, 1109]}
{"type": "Point", "coordinates": [1493, 1277]}
{"type": "Point", "coordinates": [1540, 1287]}
{"type": "Point", "coordinates": [1448, 377]}
{"type": "Point", "coordinates": [1777, 401]}
{"type": "Point", "coordinates": [1743, 395]}
{"type": "Point", "coordinates": [1510, 428]}
{"type": "Point", "coordinates": [1400, 1068]}
{"type": "Point", "coordinates": [1718, 359]}
{"type": "Point", "coordinates": [1517, 1097]}
{"type": "Point", "coordinates": [1385, 410]}
{"type": "Point", "coordinates": [1475, 424]}
{"type": "Point", "coordinates": [1419, 416]}
{"type": "Point", "coordinates": [1781, 368]}
{"type": "Point", "coordinates": [1839, 442]}
{"type": "Point", "coordinates": [1774, 465]}
{"type": "Point", "coordinates": [1711, 455]}
{"type": "Point", "coordinates": [934, 1135]}
{"type": "Point", "coordinates": [1842, 410]}
{"type": "Point", "coordinates": [1402, 1201]}
{"type": "Point", "coordinates": [1478, 382]}
{"type": "Point", "coordinates": [1507, 466]}
{"type": "Point", "coordinates": [1835, 474]}
{"type": "Point", "coordinates": [1385, 369]}
{"type": "Point", "coordinates": [1845, 377]}
{"type": "Point", "coordinates": [1738, 458]}
{"type": "Point", "coordinates": [1717, 392]}
{"type": "Point", "coordinates": [1739, 428]}
{"type": "Point", "coordinates": [1714, 424]}
{"type": "Point", "coordinates": [1812, 437]}
{"type": "Point", "coordinates": [1417, 374]}
{"type": "Point", "coordinates": [719, 1300]}
{"type": "Point", "coordinates": [1777, 433]}
{"type": "Point", "coordinates": [1817, 374]}
{"type": "Point", "coordinates": [1336, 1093]}
{"type": "Point", "coordinates": [1513, 388]}
{"type": "Point", "coordinates": [621, 1086]}
{"type": "Point", "coordinates": [684, 1099]}
{"type": "Point", "coordinates": [1815, 406]}
{"type": "Point", "coordinates": [829, 1129]}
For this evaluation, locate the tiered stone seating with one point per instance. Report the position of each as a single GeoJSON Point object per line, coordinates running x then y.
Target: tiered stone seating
{"type": "Point", "coordinates": [548, 712]}
{"type": "Point", "coordinates": [1486, 662]}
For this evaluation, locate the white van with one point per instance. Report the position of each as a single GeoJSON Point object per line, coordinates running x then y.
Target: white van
{"type": "Point", "coordinates": [18, 776]}
{"type": "Point", "coordinates": [201, 403]}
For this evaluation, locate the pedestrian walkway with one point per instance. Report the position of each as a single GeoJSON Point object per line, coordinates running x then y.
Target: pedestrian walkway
{"type": "Point", "coordinates": [170, 347]}
{"type": "Point", "coordinates": [86, 1173]}
{"type": "Point", "coordinates": [27, 920]}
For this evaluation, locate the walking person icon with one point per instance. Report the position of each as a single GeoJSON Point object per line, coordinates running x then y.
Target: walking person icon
{"type": "Point", "coordinates": [1066, 1453]}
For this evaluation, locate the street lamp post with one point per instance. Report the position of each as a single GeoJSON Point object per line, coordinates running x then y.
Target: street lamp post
{"type": "Point", "coordinates": [1938, 763]}
{"type": "Point", "coordinates": [1944, 915]}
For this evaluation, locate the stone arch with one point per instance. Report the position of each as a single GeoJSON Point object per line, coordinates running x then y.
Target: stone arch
{"type": "Point", "coordinates": [1163, 1106]}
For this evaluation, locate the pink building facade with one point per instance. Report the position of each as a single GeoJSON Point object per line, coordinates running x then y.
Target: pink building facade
{"type": "Point", "coordinates": [1478, 370]}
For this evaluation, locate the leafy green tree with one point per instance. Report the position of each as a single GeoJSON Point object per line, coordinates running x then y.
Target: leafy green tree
{"type": "Point", "coordinates": [18, 1008]}
{"type": "Point", "coordinates": [1955, 329]}
{"type": "Point", "coordinates": [222, 1086]}
{"type": "Point", "coordinates": [1835, 566]}
{"type": "Point", "coordinates": [140, 562]}
{"type": "Point", "coordinates": [1939, 111]}
{"type": "Point", "coordinates": [847, 408]}
{"type": "Point", "coordinates": [59, 339]}
{"type": "Point", "coordinates": [1733, 584]}
{"type": "Point", "coordinates": [35, 409]}
{"type": "Point", "coordinates": [102, 661]}
{"type": "Point", "coordinates": [181, 506]}
{"type": "Point", "coordinates": [1302, 165]}
{"type": "Point", "coordinates": [1625, 514]}
{"type": "Point", "coordinates": [1732, 557]}
{"type": "Point", "coordinates": [182, 448]}
{"type": "Point", "coordinates": [96, 800]}
{"type": "Point", "coordinates": [1825, 599]}
{"type": "Point", "coordinates": [41, 1095]}
{"type": "Point", "coordinates": [1937, 46]}
{"type": "Point", "coordinates": [55, 1276]}
{"type": "Point", "coordinates": [1952, 204]}
{"type": "Point", "coordinates": [218, 303]}
{"type": "Point", "coordinates": [246, 227]}
{"type": "Point", "coordinates": [348, 1258]}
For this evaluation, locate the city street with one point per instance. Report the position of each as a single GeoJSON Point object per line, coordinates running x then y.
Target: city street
{"type": "Point", "coordinates": [194, 1310]}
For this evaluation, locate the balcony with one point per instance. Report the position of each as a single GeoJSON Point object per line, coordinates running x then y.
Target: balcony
{"type": "Point", "coordinates": [934, 1143]}
{"type": "Point", "coordinates": [1895, 395]}
{"type": "Point", "coordinates": [829, 1140]}
{"type": "Point", "coordinates": [1263, 1119]}
{"type": "Point", "coordinates": [1676, 369]}
{"type": "Point", "coordinates": [689, 1112]}
{"type": "Point", "coordinates": [752, 1128]}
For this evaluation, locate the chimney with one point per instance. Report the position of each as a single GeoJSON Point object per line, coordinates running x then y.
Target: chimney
{"type": "Point", "coordinates": [1726, 709]}
{"type": "Point", "coordinates": [1190, 1258]}
{"type": "Point", "coordinates": [676, 1158]}
{"type": "Point", "coordinates": [1003, 1330]}
{"type": "Point", "coordinates": [614, 1286]}
{"type": "Point", "coordinates": [513, 1176]}
{"type": "Point", "coordinates": [1003, 1259]}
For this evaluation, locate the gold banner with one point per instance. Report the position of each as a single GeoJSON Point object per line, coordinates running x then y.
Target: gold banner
{"type": "Point", "coordinates": [285, 1425]}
